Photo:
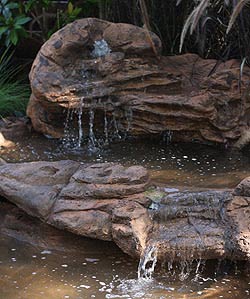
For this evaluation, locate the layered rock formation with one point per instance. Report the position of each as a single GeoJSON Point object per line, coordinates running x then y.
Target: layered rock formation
{"type": "Point", "coordinates": [214, 224]}
{"type": "Point", "coordinates": [101, 201]}
{"type": "Point", "coordinates": [113, 203]}
{"type": "Point", "coordinates": [111, 69]}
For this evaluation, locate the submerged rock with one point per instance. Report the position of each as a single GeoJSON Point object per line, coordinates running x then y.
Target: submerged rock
{"type": "Point", "coordinates": [113, 203]}
{"type": "Point", "coordinates": [130, 89]}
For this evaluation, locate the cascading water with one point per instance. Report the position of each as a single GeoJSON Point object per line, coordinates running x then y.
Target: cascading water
{"type": "Point", "coordinates": [115, 124]}
{"type": "Point", "coordinates": [80, 129]}
{"type": "Point", "coordinates": [129, 117]}
{"type": "Point", "coordinates": [106, 133]}
{"type": "Point", "coordinates": [69, 139]}
{"type": "Point", "coordinates": [101, 48]}
{"type": "Point", "coordinates": [117, 120]}
{"type": "Point", "coordinates": [148, 262]}
{"type": "Point", "coordinates": [92, 138]}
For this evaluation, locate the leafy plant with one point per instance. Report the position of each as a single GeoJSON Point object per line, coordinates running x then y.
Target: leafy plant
{"type": "Point", "coordinates": [14, 94]}
{"type": "Point", "coordinates": [64, 17]}
{"type": "Point", "coordinates": [11, 23]}
{"type": "Point", "coordinates": [203, 12]}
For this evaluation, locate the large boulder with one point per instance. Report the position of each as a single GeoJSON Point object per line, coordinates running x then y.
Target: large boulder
{"type": "Point", "coordinates": [101, 201]}
{"type": "Point", "coordinates": [114, 203]}
{"type": "Point", "coordinates": [113, 71]}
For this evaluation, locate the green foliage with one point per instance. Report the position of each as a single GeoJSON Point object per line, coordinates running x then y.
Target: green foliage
{"type": "Point", "coordinates": [11, 23]}
{"type": "Point", "coordinates": [14, 94]}
{"type": "Point", "coordinates": [212, 28]}
{"type": "Point", "coordinates": [201, 11]}
{"type": "Point", "coordinates": [64, 17]}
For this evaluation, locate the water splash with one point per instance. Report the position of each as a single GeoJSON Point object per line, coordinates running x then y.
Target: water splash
{"type": "Point", "coordinates": [80, 129]}
{"type": "Point", "coordinates": [101, 48]}
{"type": "Point", "coordinates": [92, 138]}
{"type": "Point", "coordinates": [69, 138]}
{"type": "Point", "coordinates": [148, 262]}
{"type": "Point", "coordinates": [106, 133]}
{"type": "Point", "coordinates": [167, 136]}
{"type": "Point", "coordinates": [129, 118]}
{"type": "Point", "coordinates": [116, 128]}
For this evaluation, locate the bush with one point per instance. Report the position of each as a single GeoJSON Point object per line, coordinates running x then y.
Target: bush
{"type": "Point", "coordinates": [14, 94]}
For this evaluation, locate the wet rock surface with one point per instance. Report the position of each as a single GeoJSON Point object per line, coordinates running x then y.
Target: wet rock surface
{"type": "Point", "coordinates": [17, 224]}
{"type": "Point", "coordinates": [101, 201]}
{"type": "Point", "coordinates": [13, 129]}
{"type": "Point", "coordinates": [114, 203]}
{"type": "Point", "coordinates": [184, 97]}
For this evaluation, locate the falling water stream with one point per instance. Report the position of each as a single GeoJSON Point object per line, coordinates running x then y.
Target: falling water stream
{"type": "Point", "coordinates": [147, 262]}
{"type": "Point", "coordinates": [80, 129]}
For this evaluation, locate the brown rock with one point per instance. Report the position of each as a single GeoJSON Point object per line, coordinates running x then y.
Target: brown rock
{"type": "Point", "coordinates": [243, 188]}
{"type": "Point", "coordinates": [17, 224]}
{"type": "Point", "coordinates": [145, 95]}
{"type": "Point", "coordinates": [82, 199]}
{"type": "Point", "coordinates": [109, 202]}
{"type": "Point", "coordinates": [13, 128]}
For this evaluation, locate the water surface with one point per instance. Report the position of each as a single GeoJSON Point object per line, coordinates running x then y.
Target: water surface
{"type": "Point", "coordinates": [100, 270]}
{"type": "Point", "coordinates": [190, 165]}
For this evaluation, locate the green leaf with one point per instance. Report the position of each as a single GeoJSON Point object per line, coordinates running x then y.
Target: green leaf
{"type": "Point", "coordinates": [6, 12]}
{"type": "Point", "coordinates": [12, 5]}
{"type": "Point", "coordinates": [76, 11]}
{"type": "Point", "coordinates": [3, 30]}
{"type": "Point", "coordinates": [7, 41]}
{"type": "Point", "coordinates": [13, 37]}
{"type": "Point", "coordinates": [22, 20]}
{"type": "Point", "coordinates": [4, 2]}
{"type": "Point", "coordinates": [70, 8]}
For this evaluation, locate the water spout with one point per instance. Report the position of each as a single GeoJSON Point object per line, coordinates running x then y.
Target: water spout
{"type": "Point", "coordinates": [147, 262]}
{"type": "Point", "coordinates": [101, 48]}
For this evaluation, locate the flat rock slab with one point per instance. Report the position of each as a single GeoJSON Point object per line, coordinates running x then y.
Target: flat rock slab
{"type": "Point", "coordinates": [82, 198]}
{"type": "Point", "coordinates": [130, 90]}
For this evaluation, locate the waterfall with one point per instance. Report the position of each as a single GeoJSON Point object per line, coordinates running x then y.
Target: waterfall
{"type": "Point", "coordinates": [92, 139]}
{"type": "Point", "coordinates": [129, 118]}
{"type": "Point", "coordinates": [147, 262]}
{"type": "Point", "coordinates": [116, 126]}
{"type": "Point", "coordinates": [80, 130]}
{"type": "Point", "coordinates": [69, 138]}
{"type": "Point", "coordinates": [106, 133]}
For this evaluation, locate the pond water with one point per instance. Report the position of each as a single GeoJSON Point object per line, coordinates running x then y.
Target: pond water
{"type": "Point", "coordinates": [99, 270]}
{"type": "Point", "coordinates": [93, 269]}
{"type": "Point", "coordinates": [189, 165]}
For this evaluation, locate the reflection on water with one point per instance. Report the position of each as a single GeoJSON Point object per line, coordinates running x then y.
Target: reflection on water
{"type": "Point", "coordinates": [97, 271]}
{"type": "Point", "coordinates": [173, 164]}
